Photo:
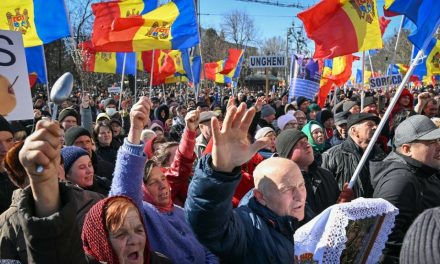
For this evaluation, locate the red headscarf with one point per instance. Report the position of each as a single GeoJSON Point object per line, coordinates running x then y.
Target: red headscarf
{"type": "Point", "coordinates": [95, 236]}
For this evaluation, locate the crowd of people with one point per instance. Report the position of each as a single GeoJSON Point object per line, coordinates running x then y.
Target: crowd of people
{"type": "Point", "coordinates": [176, 179]}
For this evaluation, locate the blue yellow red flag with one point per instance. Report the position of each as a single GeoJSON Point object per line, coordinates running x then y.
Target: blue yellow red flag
{"type": "Point", "coordinates": [341, 27]}
{"type": "Point", "coordinates": [36, 63]}
{"type": "Point", "coordinates": [231, 62]}
{"type": "Point", "coordinates": [171, 26]}
{"type": "Point", "coordinates": [424, 14]}
{"type": "Point", "coordinates": [40, 21]}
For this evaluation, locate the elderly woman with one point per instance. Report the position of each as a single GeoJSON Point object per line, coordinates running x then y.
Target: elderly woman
{"type": "Point", "coordinates": [316, 137]}
{"type": "Point", "coordinates": [167, 229]}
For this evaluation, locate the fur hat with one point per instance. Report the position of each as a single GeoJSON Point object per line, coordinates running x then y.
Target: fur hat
{"type": "Point", "coordinates": [68, 112]}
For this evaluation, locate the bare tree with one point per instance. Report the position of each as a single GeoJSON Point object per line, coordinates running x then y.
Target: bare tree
{"type": "Point", "coordinates": [239, 28]}
{"type": "Point", "coordinates": [273, 46]}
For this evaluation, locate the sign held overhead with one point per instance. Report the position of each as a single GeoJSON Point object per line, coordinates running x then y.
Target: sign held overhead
{"type": "Point", "coordinates": [267, 62]}
{"type": "Point", "coordinates": [378, 82]}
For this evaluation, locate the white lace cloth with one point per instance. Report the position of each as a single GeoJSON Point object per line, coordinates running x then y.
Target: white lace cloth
{"type": "Point", "coordinates": [324, 238]}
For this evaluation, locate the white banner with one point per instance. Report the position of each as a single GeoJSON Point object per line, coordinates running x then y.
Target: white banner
{"type": "Point", "coordinates": [267, 61]}
{"type": "Point", "coordinates": [378, 82]}
{"type": "Point", "coordinates": [15, 93]}
{"type": "Point", "coordinates": [114, 89]}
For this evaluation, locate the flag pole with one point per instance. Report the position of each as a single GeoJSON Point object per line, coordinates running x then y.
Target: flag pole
{"type": "Point", "coordinates": [384, 119]}
{"type": "Point", "coordinates": [371, 63]}
{"type": "Point", "coordinates": [47, 79]}
{"type": "Point", "coordinates": [363, 81]}
{"type": "Point", "coordinates": [135, 79]}
{"type": "Point", "coordinates": [122, 80]}
{"type": "Point", "coordinates": [151, 74]}
{"type": "Point", "coordinates": [393, 58]}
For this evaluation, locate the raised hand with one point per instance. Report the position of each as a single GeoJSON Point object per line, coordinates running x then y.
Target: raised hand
{"type": "Point", "coordinates": [42, 148]}
{"type": "Point", "coordinates": [192, 119]}
{"type": "Point", "coordinates": [231, 147]}
{"type": "Point", "coordinates": [85, 101]}
{"type": "Point", "coordinates": [139, 117]}
{"type": "Point", "coordinates": [259, 103]}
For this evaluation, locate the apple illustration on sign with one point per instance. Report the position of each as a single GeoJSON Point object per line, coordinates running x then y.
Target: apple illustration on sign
{"type": "Point", "coordinates": [7, 96]}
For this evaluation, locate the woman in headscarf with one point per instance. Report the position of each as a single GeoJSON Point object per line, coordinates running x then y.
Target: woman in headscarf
{"type": "Point", "coordinates": [316, 137]}
{"type": "Point", "coordinates": [154, 191]}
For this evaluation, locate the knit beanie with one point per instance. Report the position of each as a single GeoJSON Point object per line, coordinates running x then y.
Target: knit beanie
{"type": "Point", "coordinates": [286, 140]}
{"type": "Point", "coordinates": [70, 154]}
{"type": "Point", "coordinates": [313, 127]}
{"type": "Point", "coordinates": [5, 126]}
{"type": "Point", "coordinates": [73, 133]}
{"type": "Point", "coordinates": [68, 112]}
{"type": "Point", "coordinates": [284, 119]}
{"type": "Point", "coordinates": [267, 110]}
{"type": "Point", "coordinates": [300, 100]}
{"type": "Point", "coordinates": [95, 235]}
{"type": "Point", "coordinates": [422, 241]}
{"type": "Point", "coordinates": [262, 132]}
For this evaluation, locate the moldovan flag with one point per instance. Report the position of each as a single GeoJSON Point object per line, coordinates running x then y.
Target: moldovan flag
{"type": "Point", "coordinates": [424, 14]}
{"type": "Point", "coordinates": [106, 62]}
{"type": "Point", "coordinates": [341, 27]}
{"type": "Point", "coordinates": [39, 21]}
{"type": "Point", "coordinates": [106, 12]}
{"type": "Point", "coordinates": [433, 58]}
{"type": "Point", "coordinates": [36, 63]}
{"type": "Point", "coordinates": [170, 26]}
{"type": "Point", "coordinates": [212, 70]}
{"type": "Point", "coordinates": [232, 60]}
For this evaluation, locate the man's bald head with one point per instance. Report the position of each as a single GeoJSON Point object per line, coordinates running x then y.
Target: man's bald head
{"type": "Point", "coordinates": [279, 185]}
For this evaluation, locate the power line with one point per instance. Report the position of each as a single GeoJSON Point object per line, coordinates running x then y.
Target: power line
{"type": "Point", "coordinates": [209, 14]}
{"type": "Point", "coordinates": [275, 3]}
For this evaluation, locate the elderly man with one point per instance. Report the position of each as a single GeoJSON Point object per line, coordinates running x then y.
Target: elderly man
{"type": "Point", "coordinates": [261, 231]}
{"type": "Point", "coordinates": [205, 132]}
{"type": "Point", "coordinates": [409, 177]}
{"type": "Point", "coordinates": [342, 159]}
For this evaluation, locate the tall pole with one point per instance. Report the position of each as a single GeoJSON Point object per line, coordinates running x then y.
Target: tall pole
{"type": "Point", "coordinates": [384, 119]}
{"type": "Point", "coordinates": [122, 80]}
{"type": "Point", "coordinates": [151, 74]}
{"type": "Point", "coordinates": [363, 81]}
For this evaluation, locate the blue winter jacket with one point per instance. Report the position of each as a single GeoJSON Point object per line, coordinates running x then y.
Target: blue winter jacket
{"type": "Point", "coordinates": [248, 234]}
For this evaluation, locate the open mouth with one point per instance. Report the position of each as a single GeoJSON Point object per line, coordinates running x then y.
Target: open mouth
{"type": "Point", "coordinates": [134, 256]}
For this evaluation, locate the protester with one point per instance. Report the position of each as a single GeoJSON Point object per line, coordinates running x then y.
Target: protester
{"type": "Point", "coordinates": [322, 189]}
{"type": "Point", "coordinates": [316, 137]}
{"type": "Point", "coordinates": [166, 227]}
{"type": "Point", "coordinates": [301, 118]}
{"type": "Point", "coordinates": [421, 242]}
{"type": "Point", "coordinates": [302, 103]}
{"type": "Point", "coordinates": [68, 118]}
{"type": "Point", "coordinates": [106, 146]}
{"type": "Point", "coordinates": [351, 106]}
{"type": "Point", "coordinates": [79, 170]}
{"type": "Point", "coordinates": [82, 138]}
{"type": "Point", "coordinates": [287, 121]}
{"type": "Point", "coordinates": [205, 132]}
{"type": "Point", "coordinates": [370, 106]}
{"type": "Point", "coordinates": [340, 133]}
{"type": "Point", "coordinates": [342, 159]}
{"type": "Point", "coordinates": [312, 111]}
{"type": "Point", "coordinates": [261, 231]}
{"type": "Point", "coordinates": [6, 143]}
{"type": "Point", "coordinates": [267, 116]}
{"type": "Point", "coordinates": [409, 177]}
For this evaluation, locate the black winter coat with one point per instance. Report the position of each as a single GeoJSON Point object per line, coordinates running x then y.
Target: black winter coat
{"type": "Point", "coordinates": [342, 160]}
{"type": "Point", "coordinates": [322, 189]}
{"type": "Point", "coordinates": [410, 186]}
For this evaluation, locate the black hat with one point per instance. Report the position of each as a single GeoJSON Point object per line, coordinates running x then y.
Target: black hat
{"type": "Point", "coordinates": [348, 105]}
{"type": "Point", "coordinates": [5, 126]}
{"type": "Point", "coordinates": [422, 241]}
{"type": "Point", "coordinates": [73, 133]}
{"type": "Point", "coordinates": [369, 100]}
{"type": "Point", "coordinates": [286, 140]}
{"type": "Point", "coordinates": [357, 118]}
{"type": "Point", "coordinates": [323, 116]}
{"type": "Point", "coordinates": [300, 100]}
{"type": "Point", "coordinates": [115, 120]}
{"type": "Point", "coordinates": [109, 101]}
{"type": "Point", "coordinates": [68, 112]}
{"type": "Point", "coordinates": [341, 118]}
